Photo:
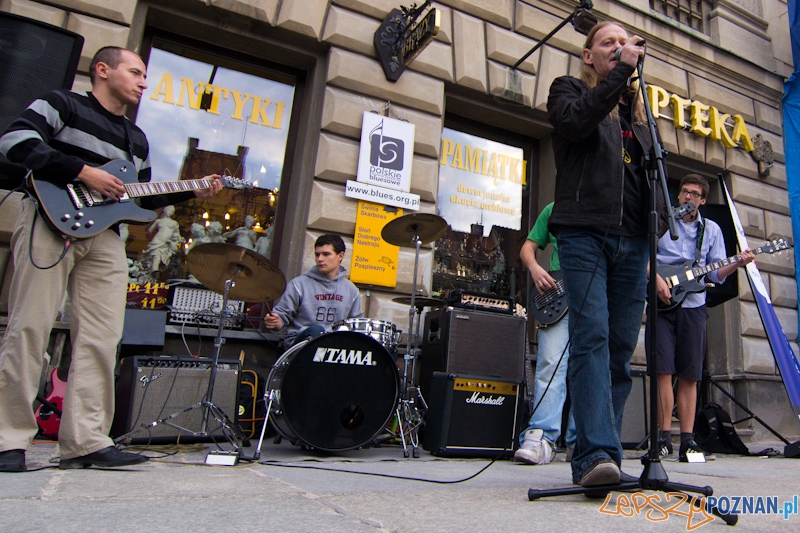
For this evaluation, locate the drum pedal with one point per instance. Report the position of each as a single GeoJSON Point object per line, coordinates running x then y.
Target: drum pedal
{"type": "Point", "coordinates": [222, 458]}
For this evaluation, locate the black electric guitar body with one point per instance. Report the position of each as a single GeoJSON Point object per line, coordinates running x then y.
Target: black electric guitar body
{"type": "Point", "coordinates": [550, 306]}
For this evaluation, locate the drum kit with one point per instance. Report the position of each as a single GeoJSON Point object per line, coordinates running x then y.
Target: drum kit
{"type": "Point", "coordinates": [336, 392]}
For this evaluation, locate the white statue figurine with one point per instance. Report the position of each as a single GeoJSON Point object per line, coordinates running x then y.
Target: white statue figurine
{"type": "Point", "coordinates": [215, 232]}
{"type": "Point", "coordinates": [244, 236]}
{"type": "Point", "coordinates": [161, 247]}
{"type": "Point", "coordinates": [198, 235]}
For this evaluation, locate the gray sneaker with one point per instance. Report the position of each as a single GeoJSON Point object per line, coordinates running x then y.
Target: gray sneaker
{"type": "Point", "coordinates": [535, 450]}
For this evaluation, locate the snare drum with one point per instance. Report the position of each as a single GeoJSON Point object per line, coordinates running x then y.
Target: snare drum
{"type": "Point", "coordinates": [335, 392]}
{"type": "Point", "coordinates": [382, 331]}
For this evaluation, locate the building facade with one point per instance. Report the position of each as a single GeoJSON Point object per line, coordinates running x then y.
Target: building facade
{"type": "Point", "coordinates": [281, 87]}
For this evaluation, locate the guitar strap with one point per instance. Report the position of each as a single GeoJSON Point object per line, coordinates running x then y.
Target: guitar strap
{"type": "Point", "coordinates": [701, 232]}
{"type": "Point", "coordinates": [128, 139]}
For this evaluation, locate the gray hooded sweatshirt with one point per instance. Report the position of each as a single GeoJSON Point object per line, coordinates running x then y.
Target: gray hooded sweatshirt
{"type": "Point", "coordinates": [314, 299]}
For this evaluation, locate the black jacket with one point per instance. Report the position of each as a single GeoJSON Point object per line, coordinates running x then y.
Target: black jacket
{"type": "Point", "coordinates": [587, 144]}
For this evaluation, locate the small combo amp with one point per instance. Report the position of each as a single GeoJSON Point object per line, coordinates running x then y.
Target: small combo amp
{"type": "Point", "coordinates": [476, 343]}
{"type": "Point", "coordinates": [195, 306]}
{"type": "Point", "coordinates": [152, 388]}
{"type": "Point", "coordinates": [472, 416]}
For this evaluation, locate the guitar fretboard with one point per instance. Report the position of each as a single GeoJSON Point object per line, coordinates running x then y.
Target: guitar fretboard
{"type": "Point", "coordinates": [703, 270]}
{"type": "Point", "coordinates": [136, 190]}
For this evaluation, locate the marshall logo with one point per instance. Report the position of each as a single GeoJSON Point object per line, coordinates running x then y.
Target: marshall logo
{"type": "Point", "coordinates": [485, 400]}
{"type": "Point", "coordinates": [343, 356]}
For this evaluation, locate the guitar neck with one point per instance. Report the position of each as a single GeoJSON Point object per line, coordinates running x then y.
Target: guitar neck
{"type": "Point", "coordinates": [701, 271]}
{"type": "Point", "coordinates": [137, 190]}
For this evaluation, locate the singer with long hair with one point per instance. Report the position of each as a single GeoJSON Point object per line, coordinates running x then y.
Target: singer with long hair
{"type": "Point", "coordinates": [600, 139]}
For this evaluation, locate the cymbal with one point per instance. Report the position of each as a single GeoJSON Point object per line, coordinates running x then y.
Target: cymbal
{"type": "Point", "coordinates": [257, 278]}
{"type": "Point", "coordinates": [402, 230]}
{"type": "Point", "coordinates": [420, 301]}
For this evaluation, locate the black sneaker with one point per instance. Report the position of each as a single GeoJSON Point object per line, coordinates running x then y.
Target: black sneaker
{"type": "Point", "coordinates": [109, 457]}
{"type": "Point", "coordinates": [12, 461]}
{"type": "Point", "coordinates": [688, 446]}
{"type": "Point", "coordinates": [664, 447]}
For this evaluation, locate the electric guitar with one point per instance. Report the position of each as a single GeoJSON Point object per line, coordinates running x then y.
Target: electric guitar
{"type": "Point", "coordinates": [48, 414]}
{"type": "Point", "coordinates": [75, 211]}
{"type": "Point", "coordinates": [550, 306]}
{"type": "Point", "coordinates": [687, 278]}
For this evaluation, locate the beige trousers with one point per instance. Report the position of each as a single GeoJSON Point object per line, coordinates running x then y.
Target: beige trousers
{"type": "Point", "coordinates": [94, 273]}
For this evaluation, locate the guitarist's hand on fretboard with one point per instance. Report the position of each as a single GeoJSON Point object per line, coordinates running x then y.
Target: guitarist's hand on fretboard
{"type": "Point", "coordinates": [215, 187]}
{"type": "Point", "coordinates": [101, 181]}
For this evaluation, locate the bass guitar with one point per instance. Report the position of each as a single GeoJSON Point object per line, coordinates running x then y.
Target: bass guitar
{"type": "Point", "coordinates": [77, 212]}
{"type": "Point", "coordinates": [686, 278]}
{"type": "Point", "coordinates": [550, 306]}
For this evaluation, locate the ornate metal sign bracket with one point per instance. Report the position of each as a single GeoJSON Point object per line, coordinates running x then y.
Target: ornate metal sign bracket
{"type": "Point", "coordinates": [400, 38]}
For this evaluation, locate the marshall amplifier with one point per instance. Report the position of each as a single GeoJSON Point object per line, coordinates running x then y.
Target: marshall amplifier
{"type": "Point", "coordinates": [472, 416]}
{"type": "Point", "coordinates": [152, 388]}
{"type": "Point", "coordinates": [476, 343]}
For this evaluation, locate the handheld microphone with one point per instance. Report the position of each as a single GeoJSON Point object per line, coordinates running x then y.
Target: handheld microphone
{"type": "Point", "coordinates": [685, 209]}
{"type": "Point", "coordinates": [618, 52]}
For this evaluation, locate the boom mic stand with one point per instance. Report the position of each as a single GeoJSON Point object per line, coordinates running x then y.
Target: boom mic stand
{"type": "Point", "coordinates": [653, 477]}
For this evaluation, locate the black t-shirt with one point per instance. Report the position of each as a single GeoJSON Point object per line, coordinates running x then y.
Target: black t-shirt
{"type": "Point", "coordinates": [634, 195]}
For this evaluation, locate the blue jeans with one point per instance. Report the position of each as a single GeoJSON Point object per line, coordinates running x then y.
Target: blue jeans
{"type": "Point", "coordinates": [308, 333]}
{"type": "Point", "coordinates": [548, 403]}
{"type": "Point", "coordinates": [606, 281]}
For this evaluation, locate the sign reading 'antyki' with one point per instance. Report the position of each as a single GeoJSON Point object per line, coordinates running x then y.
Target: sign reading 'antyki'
{"type": "Point", "coordinates": [400, 37]}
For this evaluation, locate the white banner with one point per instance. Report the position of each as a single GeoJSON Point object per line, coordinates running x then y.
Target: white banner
{"type": "Point", "coordinates": [381, 195]}
{"type": "Point", "coordinates": [386, 153]}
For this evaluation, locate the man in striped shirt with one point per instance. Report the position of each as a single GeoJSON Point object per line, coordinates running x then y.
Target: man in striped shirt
{"type": "Point", "coordinates": [61, 137]}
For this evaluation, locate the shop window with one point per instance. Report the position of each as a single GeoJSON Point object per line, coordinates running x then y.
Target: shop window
{"type": "Point", "coordinates": [484, 196]}
{"type": "Point", "coordinates": [209, 114]}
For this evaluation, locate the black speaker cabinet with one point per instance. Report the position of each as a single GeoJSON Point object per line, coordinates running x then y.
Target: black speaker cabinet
{"type": "Point", "coordinates": [634, 417]}
{"type": "Point", "coordinates": [477, 343]}
{"type": "Point", "coordinates": [152, 388]}
{"type": "Point", "coordinates": [36, 59]}
{"type": "Point", "coordinates": [472, 416]}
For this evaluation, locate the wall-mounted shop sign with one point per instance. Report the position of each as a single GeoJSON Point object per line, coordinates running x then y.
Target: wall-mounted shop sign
{"type": "Point", "coordinates": [480, 182]}
{"type": "Point", "coordinates": [400, 38]}
{"type": "Point", "coordinates": [703, 120]}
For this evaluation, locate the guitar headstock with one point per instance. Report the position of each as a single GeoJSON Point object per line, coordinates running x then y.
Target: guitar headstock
{"type": "Point", "coordinates": [776, 245]}
{"type": "Point", "coordinates": [235, 183]}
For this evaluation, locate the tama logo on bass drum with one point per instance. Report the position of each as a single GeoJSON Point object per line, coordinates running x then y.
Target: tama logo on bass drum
{"type": "Point", "coordinates": [343, 356]}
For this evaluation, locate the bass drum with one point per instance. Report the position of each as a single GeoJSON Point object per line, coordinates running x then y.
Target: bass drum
{"type": "Point", "coordinates": [335, 392]}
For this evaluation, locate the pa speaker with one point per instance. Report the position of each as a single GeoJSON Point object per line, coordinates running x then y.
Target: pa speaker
{"type": "Point", "coordinates": [36, 59]}
{"type": "Point", "coordinates": [476, 343]}
{"type": "Point", "coordinates": [153, 388]}
{"type": "Point", "coordinates": [471, 416]}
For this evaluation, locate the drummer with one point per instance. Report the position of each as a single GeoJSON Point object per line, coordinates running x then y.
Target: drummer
{"type": "Point", "coordinates": [318, 298]}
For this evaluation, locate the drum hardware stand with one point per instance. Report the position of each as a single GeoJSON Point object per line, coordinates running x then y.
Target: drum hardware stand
{"type": "Point", "coordinates": [416, 229]}
{"type": "Point", "coordinates": [230, 431]}
{"type": "Point", "coordinates": [269, 396]}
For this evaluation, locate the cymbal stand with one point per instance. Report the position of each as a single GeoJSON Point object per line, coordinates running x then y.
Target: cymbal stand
{"type": "Point", "coordinates": [411, 418]}
{"type": "Point", "coordinates": [230, 430]}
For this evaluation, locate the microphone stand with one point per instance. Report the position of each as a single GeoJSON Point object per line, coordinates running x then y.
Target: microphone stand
{"type": "Point", "coordinates": [653, 477]}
